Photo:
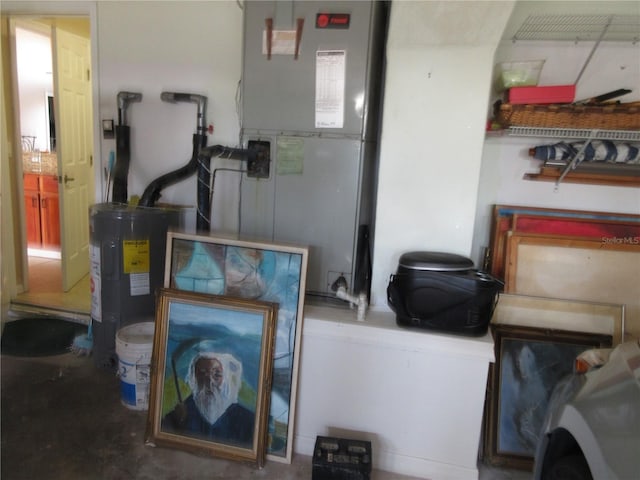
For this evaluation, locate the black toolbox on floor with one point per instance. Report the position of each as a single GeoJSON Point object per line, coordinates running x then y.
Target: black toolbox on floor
{"type": "Point", "coordinates": [442, 292]}
{"type": "Point", "coordinates": [341, 459]}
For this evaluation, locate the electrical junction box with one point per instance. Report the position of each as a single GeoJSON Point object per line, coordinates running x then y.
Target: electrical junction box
{"type": "Point", "coordinates": [259, 165]}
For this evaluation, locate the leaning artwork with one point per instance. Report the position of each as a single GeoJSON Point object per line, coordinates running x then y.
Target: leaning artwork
{"type": "Point", "coordinates": [529, 363]}
{"type": "Point", "coordinates": [212, 359]}
{"type": "Point", "coordinates": [253, 270]}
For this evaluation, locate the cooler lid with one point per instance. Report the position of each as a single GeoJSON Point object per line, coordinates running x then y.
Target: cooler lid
{"type": "Point", "coordinates": [435, 261]}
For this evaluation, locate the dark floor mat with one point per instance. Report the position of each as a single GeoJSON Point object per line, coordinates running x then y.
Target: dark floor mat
{"type": "Point", "coordinates": [39, 336]}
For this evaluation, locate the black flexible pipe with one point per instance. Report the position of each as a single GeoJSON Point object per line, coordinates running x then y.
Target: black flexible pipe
{"type": "Point", "coordinates": [151, 194]}
{"type": "Point", "coordinates": [200, 163]}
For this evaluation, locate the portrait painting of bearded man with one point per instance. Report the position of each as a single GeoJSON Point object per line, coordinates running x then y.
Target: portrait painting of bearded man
{"type": "Point", "coordinates": [212, 410]}
{"type": "Point", "coordinates": [213, 358]}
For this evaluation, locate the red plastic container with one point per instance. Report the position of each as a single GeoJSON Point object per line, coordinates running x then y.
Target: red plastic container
{"type": "Point", "coordinates": [542, 95]}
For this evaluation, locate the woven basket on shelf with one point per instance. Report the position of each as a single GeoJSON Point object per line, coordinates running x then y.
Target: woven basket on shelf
{"type": "Point", "coordinates": [625, 116]}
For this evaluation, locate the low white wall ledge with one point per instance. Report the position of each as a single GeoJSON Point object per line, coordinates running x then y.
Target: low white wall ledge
{"type": "Point", "coordinates": [417, 396]}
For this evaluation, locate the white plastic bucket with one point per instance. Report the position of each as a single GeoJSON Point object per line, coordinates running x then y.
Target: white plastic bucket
{"type": "Point", "coordinates": [134, 344]}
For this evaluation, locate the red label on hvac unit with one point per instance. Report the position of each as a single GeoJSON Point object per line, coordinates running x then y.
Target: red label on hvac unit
{"type": "Point", "coordinates": [333, 20]}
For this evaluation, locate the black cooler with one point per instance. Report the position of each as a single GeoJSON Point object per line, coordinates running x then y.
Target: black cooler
{"type": "Point", "coordinates": [442, 292]}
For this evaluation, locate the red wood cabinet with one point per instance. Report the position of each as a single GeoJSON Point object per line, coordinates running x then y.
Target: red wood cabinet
{"type": "Point", "coordinates": [42, 210]}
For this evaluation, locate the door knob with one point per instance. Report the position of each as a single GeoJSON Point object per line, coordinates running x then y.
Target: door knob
{"type": "Point", "coordinates": [68, 179]}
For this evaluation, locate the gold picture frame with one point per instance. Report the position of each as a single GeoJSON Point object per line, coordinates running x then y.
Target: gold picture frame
{"type": "Point", "coordinates": [211, 375]}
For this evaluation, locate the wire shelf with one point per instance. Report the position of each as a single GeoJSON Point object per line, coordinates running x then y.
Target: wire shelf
{"type": "Point", "coordinates": [580, 28]}
{"type": "Point", "coordinates": [576, 133]}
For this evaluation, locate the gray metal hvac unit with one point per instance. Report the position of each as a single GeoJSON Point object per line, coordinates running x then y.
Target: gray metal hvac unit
{"type": "Point", "coordinates": [128, 248]}
{"type": "Point", "coordinates": [311, 86]}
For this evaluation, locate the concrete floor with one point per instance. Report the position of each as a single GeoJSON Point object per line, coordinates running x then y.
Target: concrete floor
{"type": "Point", "coordinates": [62, 419]}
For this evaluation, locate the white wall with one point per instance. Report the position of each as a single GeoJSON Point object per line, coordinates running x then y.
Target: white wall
{"type": "Point", "coordinates": [505, 160]}
{"type": "Point", "coordinates": [439, 71]}
{"type": "Point", "coordinates": [188, 47]}
{"type": "Point", "coordinates": [33, 52]}
{"type": "Point", "coordinates": [417, 396]}
{"type": "Point", "coordinates": [439, 67]}
{"type": "Point", "coordinates": [437, 174]}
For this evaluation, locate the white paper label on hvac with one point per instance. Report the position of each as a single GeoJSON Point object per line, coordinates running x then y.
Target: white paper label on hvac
{"type": "Point", "coordinates": [330, 81]}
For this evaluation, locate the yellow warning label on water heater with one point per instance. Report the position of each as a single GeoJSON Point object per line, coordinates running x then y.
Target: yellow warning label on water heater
{"type": "Point", "coordinates": [135, 256]}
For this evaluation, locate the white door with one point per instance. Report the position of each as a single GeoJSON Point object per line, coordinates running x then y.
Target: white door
{"type": "Point", "coordinates": [72, 96]}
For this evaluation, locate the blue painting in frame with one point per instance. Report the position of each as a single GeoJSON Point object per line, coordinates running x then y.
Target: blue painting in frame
{"type": "Point", "coordinates": [265, 271]}
{"type": "Point", "coordinates": [529, 363]}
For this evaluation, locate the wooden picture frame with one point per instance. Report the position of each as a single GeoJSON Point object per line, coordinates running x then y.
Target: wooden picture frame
{"type": "Point", "coordinates": [529, 363]}
{"type": "Point", "coordinates": [560, 314]}
{"type": "Point", "coordinates": [605, 226]}
{"type": "Point", "coordinates": [258, 270]}
{"type": "Point", "coordinates": [211, 375]}
{"type": "Point", "coordinates": [576, 269]}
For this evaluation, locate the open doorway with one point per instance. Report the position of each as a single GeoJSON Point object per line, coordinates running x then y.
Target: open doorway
{"type": "Point", "coordinates": [35, 71]}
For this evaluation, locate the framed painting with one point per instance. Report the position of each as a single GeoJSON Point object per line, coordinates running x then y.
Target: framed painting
{"type": "Point", "coordinates": [576, 269]}
{"type": "Point", "coordinates": [559, 314]}
{"type": "Point", "coordinates": [529, 363]}
{"type": "Point", "coordinates": [606, 227]}
{"type": "Point", "coordinates": [254, 270]}
{"type": "Point", "coordinates": [211, 377]}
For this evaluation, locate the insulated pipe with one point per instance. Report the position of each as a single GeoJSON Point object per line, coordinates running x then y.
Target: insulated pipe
{"type": "Point", "coordinates": [200, 100]}
{"type": "Point", "coordinates": [124, 98]}
{"type": "Point", "coordinates": [203, 190]}
{"type": "Point", "coordinates": [121, 168]}
{"type": "Point", "coordinates": [200, 162]}
{"type": "Point", "coordinates": [123, 147]}
{"type": "Point", "coordinates": [203, 220]}
{"type": "Point", "coordinates": [151, 194]}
